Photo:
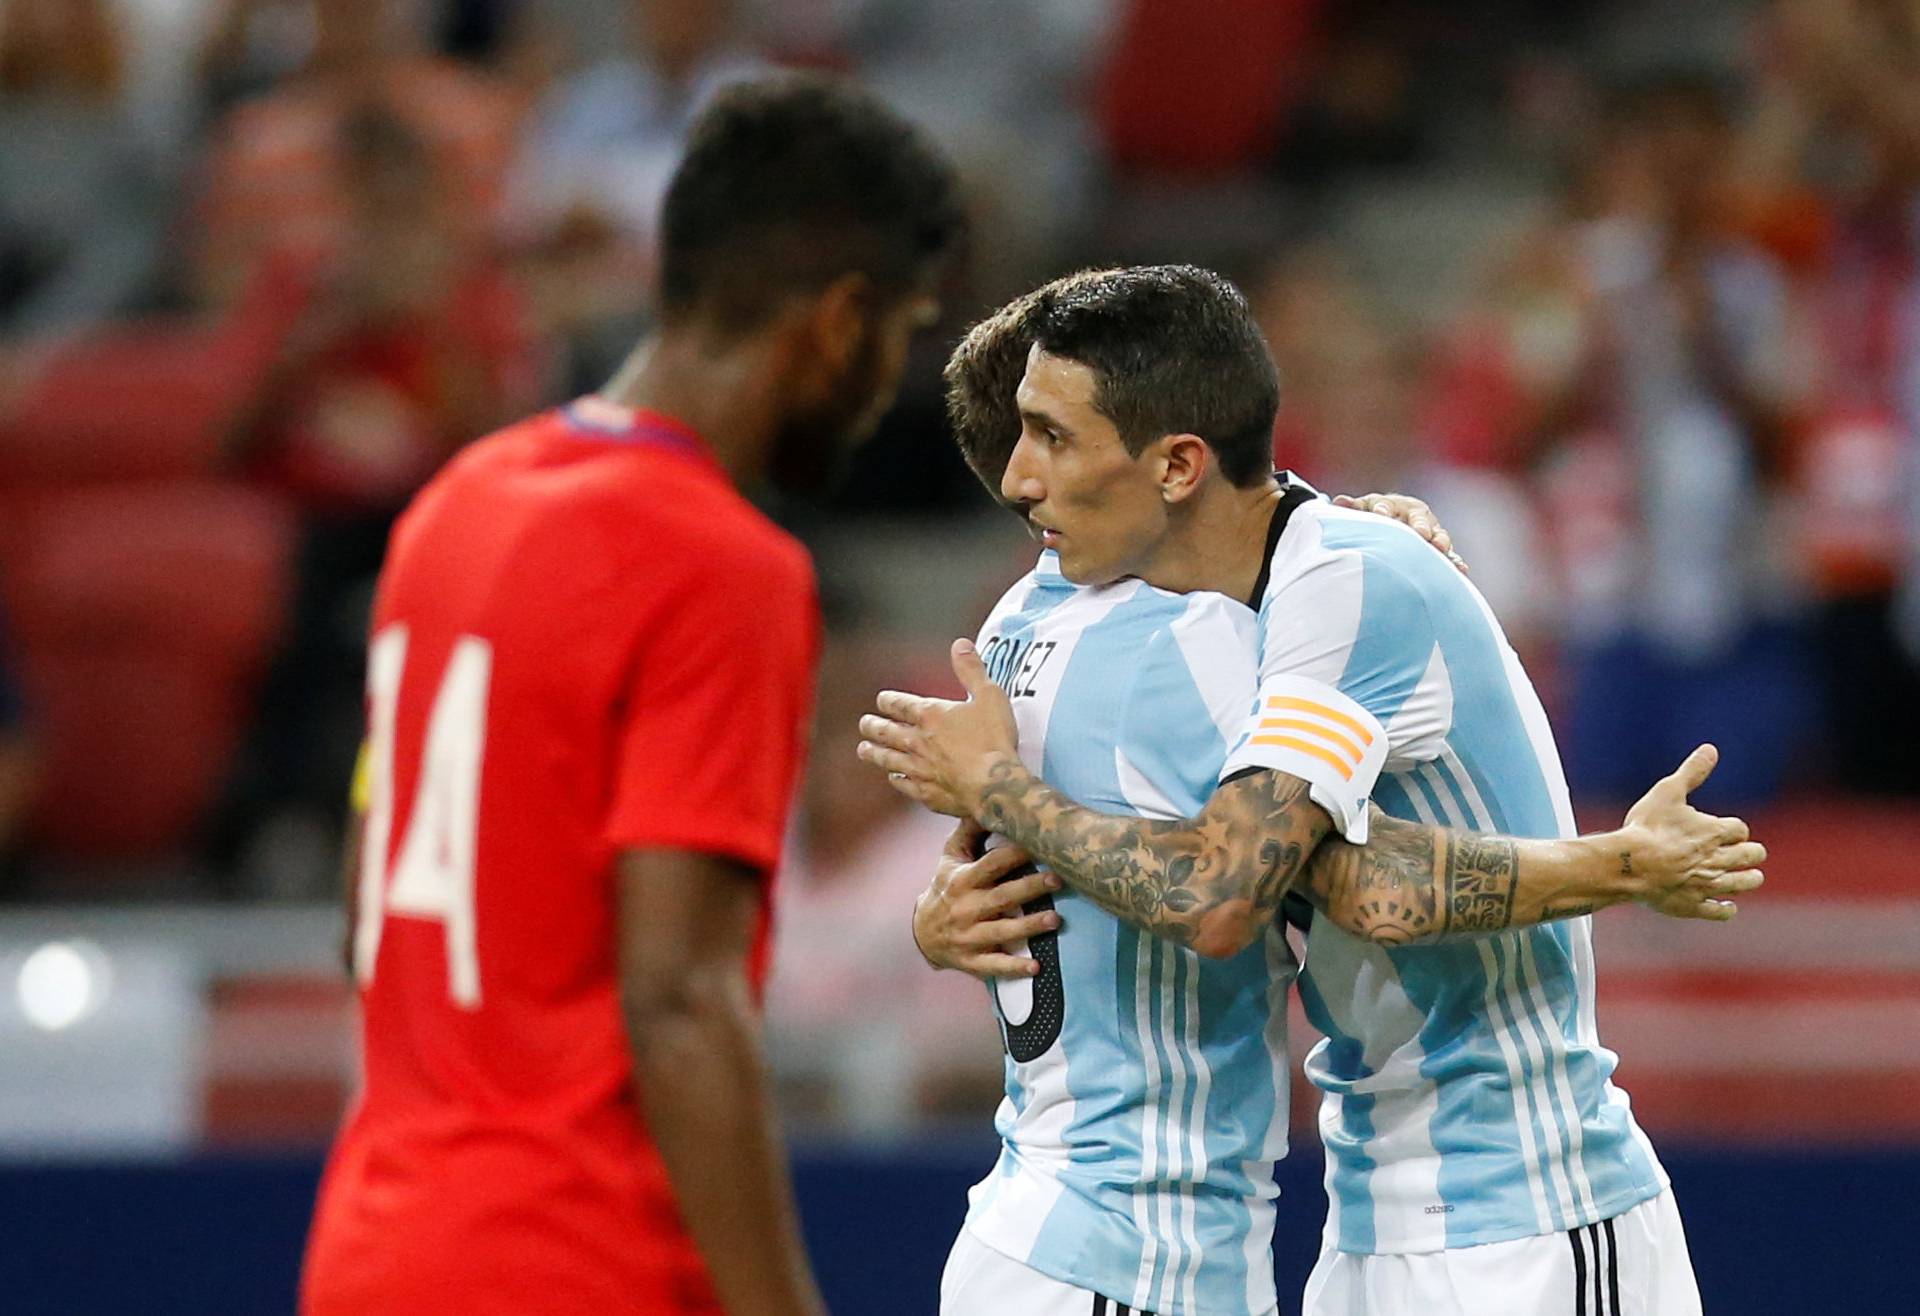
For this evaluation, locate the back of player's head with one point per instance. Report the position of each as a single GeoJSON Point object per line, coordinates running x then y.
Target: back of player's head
{"type": "Point", "coordinates": [983, 375]}
{"type": "Point", "coordinates": [790, 183]}
{"type": "Point", "coordinates": [1174, 349]}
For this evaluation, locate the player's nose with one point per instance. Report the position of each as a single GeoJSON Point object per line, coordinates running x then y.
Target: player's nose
{"type": "Point", "coordinates": [1020, 482]}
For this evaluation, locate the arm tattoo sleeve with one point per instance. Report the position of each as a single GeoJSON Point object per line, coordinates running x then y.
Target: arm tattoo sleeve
{"type": "Point", "coordinates": [1213, 882]}
{"type": "Point", "coordinates": [1413, 883]}
{"type": "Point", "coordinates": [1384, 891]}
{"type": "Point", "coordinates": [1189, 880]}
{"type": "Point", "coordinates": [1482, 875]}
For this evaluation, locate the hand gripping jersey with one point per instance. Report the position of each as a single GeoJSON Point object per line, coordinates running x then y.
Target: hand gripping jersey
{"type": "Point", "coordinates": [1146, 1086]}
{"type": "Point", "coordinates": [1467, 1098]}
{"type": "Point", "coordinates": [585, 641]}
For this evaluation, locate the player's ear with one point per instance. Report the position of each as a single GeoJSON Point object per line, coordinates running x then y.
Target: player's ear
{"type": "Point", "coordinates": [837, 321]}
{"type": "Point", "coordinates": [1184, 460]}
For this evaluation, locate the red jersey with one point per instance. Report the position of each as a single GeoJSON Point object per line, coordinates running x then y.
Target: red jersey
{"type": "Point", "coordinates": [585, 641]}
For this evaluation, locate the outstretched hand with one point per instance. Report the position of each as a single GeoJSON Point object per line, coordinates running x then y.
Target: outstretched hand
{"type": "Point", "coordinates": [941, 752]}
{"type": "Point", "coordinates": [1689, 864]}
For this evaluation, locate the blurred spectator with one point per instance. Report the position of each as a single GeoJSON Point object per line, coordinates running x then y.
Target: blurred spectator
{"type": "Point", "coordinates": [251, 47]}
{"type": "Point", "coordinates": [1350, 421]}
{"type": "Point", "coordinates": [1510, 370]}
{"type": "Point", "coordinates": [409, 342]}
{"type": "Point", "coordinates": [602, 145]}
{"type": "Point", "coordinates": [1840, 103]}
{"type": "Point", "coordinates": [1696, 380]}
{"type": "Point", "coordinates": [1005, 85]}
{"type": "Point", "coordinates": [1358, 110]}
{"type": "Point", "coordinates": [79, 206]}
{"type": "Point", "coordinates": [594, 160]}
{"type": "Point", "coordinates": [277, 179]}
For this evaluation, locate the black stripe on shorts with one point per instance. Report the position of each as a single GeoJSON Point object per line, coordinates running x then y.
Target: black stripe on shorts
{"type": "Point", "coordinates": [1613, 1269]}
{"type": "Point", "coordinates": [1599, 1271]}
{"type": "Point", "coordinates": [1579, 1273]}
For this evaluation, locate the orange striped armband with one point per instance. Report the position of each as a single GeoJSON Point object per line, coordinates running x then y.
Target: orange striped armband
{"type": "Point", "coordinates": [1329, 743]}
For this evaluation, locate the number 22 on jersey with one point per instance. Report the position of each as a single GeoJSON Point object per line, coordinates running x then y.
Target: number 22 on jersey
{"type": "Point", "coordinates": [433, 874]}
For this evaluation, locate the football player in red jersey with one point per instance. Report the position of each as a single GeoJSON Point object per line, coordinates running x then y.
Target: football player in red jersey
{"type": "Point", "coordinates": [588, 685]}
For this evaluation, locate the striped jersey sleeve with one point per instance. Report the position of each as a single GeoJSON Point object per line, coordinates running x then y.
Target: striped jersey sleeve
{"type": "Point", "coordinates": [1346, 648]}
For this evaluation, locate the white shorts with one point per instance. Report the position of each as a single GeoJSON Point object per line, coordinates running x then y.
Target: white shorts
{"type": "Point", "coordinates": [1635, 1264]}
{"type": "Point", "coordinates": [982, 1282]}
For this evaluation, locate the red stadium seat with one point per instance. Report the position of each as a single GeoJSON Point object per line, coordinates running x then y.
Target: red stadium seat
{"type": "Point", "coordinates": [144, 615]}
{"type": "Point", "coordinates": [148, 401]}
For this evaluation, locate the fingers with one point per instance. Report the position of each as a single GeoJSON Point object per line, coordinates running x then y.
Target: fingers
{"type": "Point", "coordinates": [1408, 510]}
{"type": "Point", "coordinates": [894, 735]}
{"type": "Point", "coordinates": [899, 776]}
{"type": "Point", "coordinates": [1017, 892]}
{"type": "Point", "coordinates": [890, 761]}
{"type": "Point", "coordinates": [1747, 854]}
{"type": "Point", "coordinates": [1738, 883]}
{"type": "Point", "coordinates": [998, 964]}
{"type": "Point", "coordinates": [989, 870]}
{"type": "Point", "coordinates": [1007, 931]}
{"type": "Point", "coordinates": [1415, 515]}
{"type": "Point", "coordinates": [1694, 770]}
{"type": "Point", "coordinates": [1733, 831]}
{"type": "Point", "coordinates": [971, 671]}
{"type": "Point", "coordinates": [1715, 911]}
{"type": "Point", "coordinates": [1004, 860]}
{"type": "Point", "coordinates": [902, 706]}
{"type": "Point", "coordinates": [1419, 518]}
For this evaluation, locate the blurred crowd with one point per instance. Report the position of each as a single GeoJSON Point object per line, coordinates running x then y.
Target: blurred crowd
{"type": "Point", "coordinates": [1634, 302]}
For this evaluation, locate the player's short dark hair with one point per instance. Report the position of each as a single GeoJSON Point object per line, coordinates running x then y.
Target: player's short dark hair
{"type": "Point", "coordinates": [984, 373]}
{"type": "Point", "coordinates": [1174, 349]}
{"type": "Point", "coordinates": [793, 181]}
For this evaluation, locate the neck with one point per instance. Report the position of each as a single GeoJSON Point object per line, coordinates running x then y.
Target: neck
{"type": "Point", "coordinates": [1218, 540]}
{"type": "Point", "coordinates": [722, 390]}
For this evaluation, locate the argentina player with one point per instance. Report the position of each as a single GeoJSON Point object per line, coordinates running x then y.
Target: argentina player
{"type": "Point", "coordinates": [1435, 1202]}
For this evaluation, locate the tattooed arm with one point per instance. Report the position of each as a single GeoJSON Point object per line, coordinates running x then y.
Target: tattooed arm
{"type": "Point", "coordinates": [1210, 882]}
{"type": "Point", "coordinates": [1213, 882]}
{"type": "Point", "coordinates": [1411, 882]}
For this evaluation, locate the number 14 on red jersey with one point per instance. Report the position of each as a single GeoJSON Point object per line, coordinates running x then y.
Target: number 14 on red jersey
{"type": "Point", "coordinates": [433, 874]}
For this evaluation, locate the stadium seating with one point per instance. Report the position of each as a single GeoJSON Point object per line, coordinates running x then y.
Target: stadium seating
{"type": "Point", "coordinates": [144, 613]}
{"type": "Point", "coordinates": [149, 401]}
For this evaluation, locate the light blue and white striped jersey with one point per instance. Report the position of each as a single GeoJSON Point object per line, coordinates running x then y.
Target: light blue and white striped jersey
{"type": "Point", "coordinates": [1146, 1086]}
{"type": "Point", "coordinates": [1467, 1095]}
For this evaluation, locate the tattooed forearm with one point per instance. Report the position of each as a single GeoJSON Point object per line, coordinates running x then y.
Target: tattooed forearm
{"type": "Point", "coordinates": [1414, 883]}
{"type": "Point", "coordinates": [1384, 891]}
{"type": "Point", "coordinates": [1482, 875]}
{"type": "Point", "coordinates": [1211, 883]}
